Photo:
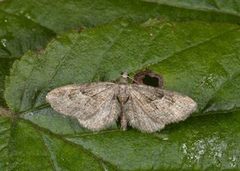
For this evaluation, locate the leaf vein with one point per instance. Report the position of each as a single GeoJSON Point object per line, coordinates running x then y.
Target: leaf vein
{"type": "Point", "coordinates": [157, 61]}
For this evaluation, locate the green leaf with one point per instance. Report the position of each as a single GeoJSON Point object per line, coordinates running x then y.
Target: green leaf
{"type": "Point", "coordinates": [196, 144]}
{"type": "Point", "coordinates": [193, 57]}
{"type": "Point", "coordinates": [18, 35]}
{"type": "Point", "coordinates": [196, 58]}
{"type": "Point", "coordinates": [25, 147]}
{"type": "Point", "coordinates": [63, 15]}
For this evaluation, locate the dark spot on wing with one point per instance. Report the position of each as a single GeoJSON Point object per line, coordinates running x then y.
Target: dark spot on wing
{"type": "Point", "coordinates": [170, 98]}
{"type": "Point", "coordinates": [159, 94]}
{"type": "Point", "coordinates": [72, 95]}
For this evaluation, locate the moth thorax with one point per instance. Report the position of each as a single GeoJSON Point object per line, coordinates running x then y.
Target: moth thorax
{"type": "Point", "coordinates": [123, 95]}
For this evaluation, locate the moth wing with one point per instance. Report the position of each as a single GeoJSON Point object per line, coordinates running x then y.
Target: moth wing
{"type": "Point", "coordinates": [94, 105]}
{"type": "Point", "coordinates": [149, 109]}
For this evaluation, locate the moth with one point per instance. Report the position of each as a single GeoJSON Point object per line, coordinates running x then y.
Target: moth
{"type": "Point", "coordinates": [98, 105]}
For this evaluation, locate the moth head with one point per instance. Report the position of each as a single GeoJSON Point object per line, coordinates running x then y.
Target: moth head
{"type": "Point", "coordinates": [124, 74]}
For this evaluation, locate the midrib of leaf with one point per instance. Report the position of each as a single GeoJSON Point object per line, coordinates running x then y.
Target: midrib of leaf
{"type": "Point", "coordinates": [91, 133]}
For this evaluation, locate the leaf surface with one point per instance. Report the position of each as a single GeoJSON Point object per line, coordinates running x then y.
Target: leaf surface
{"type": "Point", "coordinates": [18, 35]}
{"type": "Point", "coordinates": [193, 58]}
{"type": "Point", "coordinates": [63, 15]}
{"type": "Point", "coordinates": [25, 147]}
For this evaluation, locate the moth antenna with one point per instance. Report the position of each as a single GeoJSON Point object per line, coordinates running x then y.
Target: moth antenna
{"type": "Point", "coordinates": [133, 80]}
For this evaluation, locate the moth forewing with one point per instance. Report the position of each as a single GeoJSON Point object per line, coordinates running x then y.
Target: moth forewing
{"type": "Point", "coordinates": [94, 105]}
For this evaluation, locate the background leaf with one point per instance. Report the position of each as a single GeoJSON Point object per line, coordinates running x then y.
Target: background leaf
{"type": "Point", "coordinates": [62, 15]}
{"type": "Point", "coordinates": [177, 50]}
{"type": "Point", "coordinates": [195, 54]}
{"type": "Point", "coordinates": [18, 35]}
